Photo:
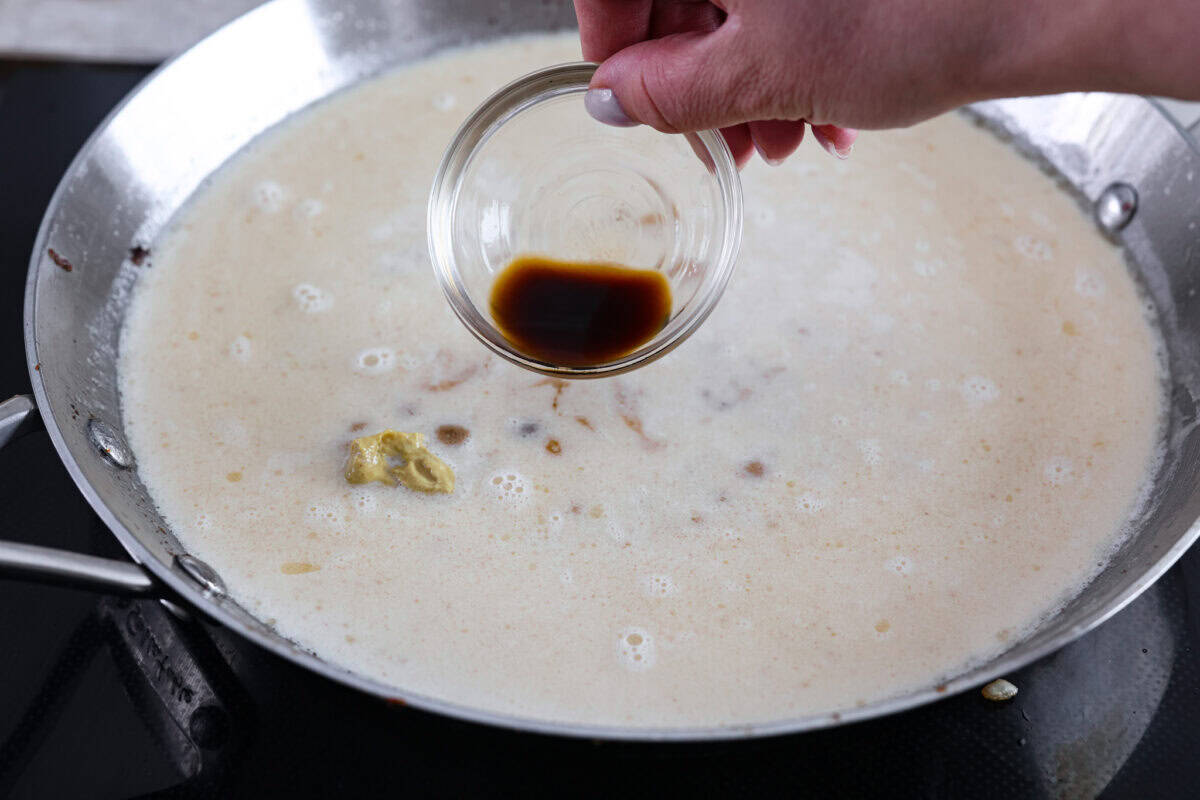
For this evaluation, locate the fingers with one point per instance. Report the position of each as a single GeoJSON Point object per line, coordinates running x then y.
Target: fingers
{"type": "Point", "coordinates": [606, 26]}
{"type": "Point", "coordinates": [741, 145]}
{"type": "Point", "coordinates": [776, 139]}
{"type": "Point", "coordinates": [681, 82]}
{"type": "Point", "coordinates": [836, 141]}
{"type": "Point", "coordinates": [675, 66]}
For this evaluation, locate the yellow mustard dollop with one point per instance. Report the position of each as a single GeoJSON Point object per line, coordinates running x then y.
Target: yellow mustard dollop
{"type": "Point", "coordinates": [421, 471]}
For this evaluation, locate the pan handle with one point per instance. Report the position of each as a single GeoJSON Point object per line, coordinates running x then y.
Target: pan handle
{"type": "Point", "coordinates": [18, 415]}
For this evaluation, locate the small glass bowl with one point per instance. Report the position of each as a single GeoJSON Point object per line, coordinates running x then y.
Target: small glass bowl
{"type": "Point", "coordinates": [531, 173]}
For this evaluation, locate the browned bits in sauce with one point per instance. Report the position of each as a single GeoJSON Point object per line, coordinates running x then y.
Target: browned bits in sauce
{"type": "Point", "coordinates": [577, 314]}
{"type": "Point", "coordinates": [755, 468]}
{"type": "Point", "coordinates": [452, 434]}
{"type": "Point", "coordinates": [138, 255]}
{"type": "Point", "coordinates": [59, 260]}
{"type": "Point", "coordinates": [358, 426]}
{"type": "Point", "coordinates": [552, 446]}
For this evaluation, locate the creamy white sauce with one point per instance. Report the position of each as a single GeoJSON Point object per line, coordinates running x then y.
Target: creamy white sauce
{"type": "Point", "coordinates": [943, 374]}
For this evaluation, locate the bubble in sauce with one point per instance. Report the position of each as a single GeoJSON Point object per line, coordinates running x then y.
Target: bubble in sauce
{"type": "Point", "coordinates": [871, 451]}
{"type": "Point", "coordinates": [809, 503]}
{"type": "Point", "coordinates": [978, 391]}
{"type": "Point", "coordinates": [659, 585]}
{"type": "Point", "coordinates": [202, 522]}
{"type": "Point", "coordinates": [241, 349]}
{"type": "Point", "coordinates": [1033, 248]}
{"type": "Point", "coordinates": [870, 237]}
{"type": "Point", "coordinates": [508, 486]}
{"type": "Point", "coordinates": [567, 576]}
{"type": "Point", "coordinates": [901, 565]}
{"type": "Point", "coordinates": [307, 209]}
{"type": "Point", "coordinates": [635, 649]}
{"type": "Point", "coordinates": [925, 465]}
{"type": "Point", "coordinates": [1058, 471]}
{"type": "Point", "coordinates": [375, 361]}
{"type": "Point", "coordinates": [616, 530]}
{"type": "Point", "coordinates": [311, 299]}
{"type": "Point", "coordinates": [364, 501]}
{"type": "Point", "coordinates": [1040, 219]}
{"type": "Point", "coordinates": [899, 377]}
{"type": "Point", "coordinates": [324, 514]}
{"type": "Point", "coordinates": [444, 101]}
{"type": "Point", "coordinates": [927, 267]}
{"type": "Point", "coordinates": [268, 196]}
{"type": "Point", "coordinates": [839, 421]}
{"type": "Point", "coordinates": [1088, 283]}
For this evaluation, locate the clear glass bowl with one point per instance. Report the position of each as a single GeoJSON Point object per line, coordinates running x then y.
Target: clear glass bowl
{"type": "Point", "coordinates": [531, 173]}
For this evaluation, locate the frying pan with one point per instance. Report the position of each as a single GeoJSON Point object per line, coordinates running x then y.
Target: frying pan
{"type": "Point", "coordinates": [1120, 155]}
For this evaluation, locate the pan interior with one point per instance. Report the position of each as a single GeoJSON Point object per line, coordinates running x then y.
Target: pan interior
{"type": "Point", "coordinates": [693, 522]}
{"type": "Point", "coordinates": [84, 379]}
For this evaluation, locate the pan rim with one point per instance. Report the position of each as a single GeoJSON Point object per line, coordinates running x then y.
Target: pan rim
{"type": "Point", "coordinates": [196, 597]}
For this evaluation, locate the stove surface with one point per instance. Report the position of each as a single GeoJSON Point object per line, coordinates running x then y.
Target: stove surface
{"type": "Point", "coordinates": [87, 682]}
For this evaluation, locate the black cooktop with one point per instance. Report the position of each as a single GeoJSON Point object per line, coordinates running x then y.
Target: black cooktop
{"type": "Point", "coordinates": [85, 713]}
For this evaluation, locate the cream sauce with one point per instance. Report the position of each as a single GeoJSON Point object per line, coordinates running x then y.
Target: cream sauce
{"type": "Point", "coordinates": [916, 423]}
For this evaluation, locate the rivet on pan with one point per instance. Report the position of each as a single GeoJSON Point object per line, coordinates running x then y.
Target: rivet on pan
{"type": "Point", "coordinates": [999, 690]}
{"type": "Point", "coordinates": [1116, 206]}
{"type": "Point", "coordinates": [109, 444]}
{"type": "Point", "coordinates": [201, 573]}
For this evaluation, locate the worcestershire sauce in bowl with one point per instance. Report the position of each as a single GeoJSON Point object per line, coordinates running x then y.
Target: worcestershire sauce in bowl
{"type": "Point", "coordinates": [578, 314]}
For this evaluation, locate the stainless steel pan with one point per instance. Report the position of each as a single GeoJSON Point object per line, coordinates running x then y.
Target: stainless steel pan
{"type": "Point", "coordinates": [1120, 154]}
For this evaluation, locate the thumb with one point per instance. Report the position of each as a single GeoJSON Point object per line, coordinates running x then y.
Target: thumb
{"type": "Point", "coordinates": [679, 83]}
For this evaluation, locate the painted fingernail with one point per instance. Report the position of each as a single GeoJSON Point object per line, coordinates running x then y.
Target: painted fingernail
{"type": "Point", "coordinates": [774, 162]}
{"type": "Point", "coordinates": [604, 107]}
{"type": "Point", "coordinates": [831, 147]}
{"type": "Point", "coordinates": [768, 160]}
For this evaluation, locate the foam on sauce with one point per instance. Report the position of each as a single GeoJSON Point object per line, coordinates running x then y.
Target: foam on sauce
{"type": "Point", "coordinates": [909, 430]}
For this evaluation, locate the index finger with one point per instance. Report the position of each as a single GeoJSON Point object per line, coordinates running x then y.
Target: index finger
{"type": "Point", "coordinates": [606, 26]}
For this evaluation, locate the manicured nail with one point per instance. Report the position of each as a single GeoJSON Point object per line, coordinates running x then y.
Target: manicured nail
{"type": "Point", "coordinates": [831, 148]}
{"type": "Point", "coordinates": [604, 107]}
{"type": "Point", "coordinates": [774, 162]}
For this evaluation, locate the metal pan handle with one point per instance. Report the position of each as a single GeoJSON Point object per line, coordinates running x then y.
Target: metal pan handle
{"type": "Point", "coordinates": [18, 416]}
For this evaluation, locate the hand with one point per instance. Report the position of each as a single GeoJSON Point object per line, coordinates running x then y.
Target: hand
{"type": "Point", "coordinates": [757, 69]}
{"type": "Point", "coordinates": [650, 50]}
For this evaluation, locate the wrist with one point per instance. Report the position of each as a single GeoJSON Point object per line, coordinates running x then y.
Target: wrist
{"type": "Point", "coordinates": [1045, 46]}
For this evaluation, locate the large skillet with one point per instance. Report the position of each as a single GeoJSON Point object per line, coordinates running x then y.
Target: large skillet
{"type": "Point", "coordinates": [1119, 154]}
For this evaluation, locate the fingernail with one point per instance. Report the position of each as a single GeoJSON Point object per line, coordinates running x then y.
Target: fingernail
{"type": "Point", "coordinates": [831, 148]}
{"type": "Point", "coordinates": [768, 160]}
{"type": "Point", "coordinates": [774, 162]}
{"type": "Point", "coordinates": [604, 107]}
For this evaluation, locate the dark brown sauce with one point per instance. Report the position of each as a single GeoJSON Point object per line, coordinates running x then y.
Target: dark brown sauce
{"type": "Point", "coordinates": [577, 314]}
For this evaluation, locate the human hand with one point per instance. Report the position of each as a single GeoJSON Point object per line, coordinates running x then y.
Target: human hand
{"type": "Point", "coordinates": [757, 69]}
{"type": "Point", "coordinates": [651, 51]}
